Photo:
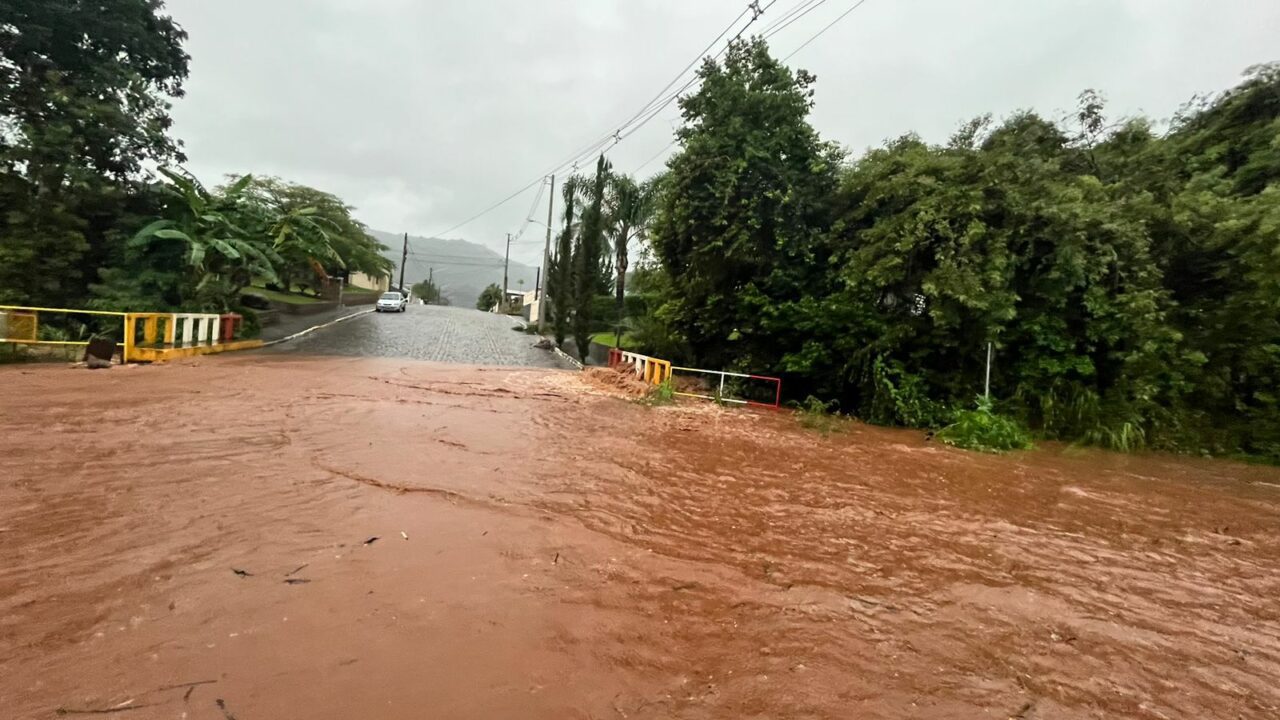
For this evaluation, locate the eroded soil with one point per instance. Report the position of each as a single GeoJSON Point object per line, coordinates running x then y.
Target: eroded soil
{"type": "Point", "coordinates": [196, 540]}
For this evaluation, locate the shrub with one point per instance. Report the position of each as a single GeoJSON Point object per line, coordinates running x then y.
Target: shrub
{"type": "Point", "coordinates": [661, 394]}
{"type": "Point", "coordinates": [815, 414]}
{"type": "Point", "coordinates": [899, 397]}
{"type": "Point", "coordinates": [982, 429]}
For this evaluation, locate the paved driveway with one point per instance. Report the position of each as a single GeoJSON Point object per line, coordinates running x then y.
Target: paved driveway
{"type": "Point", "coordinates": [429, 332]}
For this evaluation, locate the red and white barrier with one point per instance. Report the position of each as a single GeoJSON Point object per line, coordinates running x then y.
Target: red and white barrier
{"type": "Point", "coordinates": [720, 396]}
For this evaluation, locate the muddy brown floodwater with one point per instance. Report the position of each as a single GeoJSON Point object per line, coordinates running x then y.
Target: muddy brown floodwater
{"type": "Point", "coordinates": [197, 540]}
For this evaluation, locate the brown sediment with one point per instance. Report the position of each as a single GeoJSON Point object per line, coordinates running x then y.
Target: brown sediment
{"type": "Point", "coordinates": [559, 553]}
{"type": "Point", "coordinates": [613, 380]}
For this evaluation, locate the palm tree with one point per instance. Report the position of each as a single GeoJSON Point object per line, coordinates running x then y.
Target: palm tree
{"type": "Point", "coordinates": [633, 206]}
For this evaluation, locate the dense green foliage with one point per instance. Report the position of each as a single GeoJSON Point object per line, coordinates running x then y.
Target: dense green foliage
{"type": "Point", "coordinates": [313, 232]}
{"type": "Point", "coordinates": [84, 92]}
{"type": "Point", "coordinates": [740, 222]}
{"type": "Point", "coordinates": [982, 429]}
{"type": "Point", "coordinates": [819, 415]}
{"type": "Point", "coordinates": [208, 245]}
{"type": "Point", "coordinates": [588, 254]}
{"type": "Point", "coordinates": [560, 288]}
{"type": "Point", "coordinates": [1126, 279]}
{"type": "Point", "coordinates": [489, 297]}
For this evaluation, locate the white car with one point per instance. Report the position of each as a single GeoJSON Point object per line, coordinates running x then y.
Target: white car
{"type": "Point", "coordinates": [391, 302]}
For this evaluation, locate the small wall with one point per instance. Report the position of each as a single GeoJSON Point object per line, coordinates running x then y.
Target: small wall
{"type": "Point", "coordinates": [380, 284]}
{"type": "Point", "coordinates": [359, 298]}
{"type": "Point", "coordinates": [307, 309]}
{"type": "Point", "coordinates": [598, 354]}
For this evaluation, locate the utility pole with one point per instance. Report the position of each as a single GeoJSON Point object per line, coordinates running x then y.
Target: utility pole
{"type": "Point", "coordinates": [431, 285]}
{"type": "Point", "coordinates": [404, 259]}
{"type": "Point", "coordinates": [506, 259]}
{"type": "Point", "coordinates": [546, 262]}
{"type": "Point", "coordinates": [986, 388]}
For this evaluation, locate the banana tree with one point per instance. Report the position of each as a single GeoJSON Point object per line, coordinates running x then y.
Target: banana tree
{"type": "Point", "coordinates": [313, 231]}
{"type": "Point", "coordinates": [221, 256]}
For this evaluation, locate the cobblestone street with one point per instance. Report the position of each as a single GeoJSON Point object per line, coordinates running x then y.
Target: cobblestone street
{"type": "Point", "coordinates": [429, 332]}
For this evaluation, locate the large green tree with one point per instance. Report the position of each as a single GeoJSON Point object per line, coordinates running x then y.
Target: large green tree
{"type": "Point", "coordinates": [742, 217]}
{"type": "Point", "coordinates": [560, 275]}
{"type": "Point", "coordinates": [84, 103]}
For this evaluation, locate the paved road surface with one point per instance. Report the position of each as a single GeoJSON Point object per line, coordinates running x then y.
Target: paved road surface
{"type": "Point", "coordinates": [428, 332]}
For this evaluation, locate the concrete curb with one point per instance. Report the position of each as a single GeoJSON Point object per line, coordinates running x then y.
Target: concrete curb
{"type": "Point", "coordinates": [568, 357]}
{"type": "Point", "coordinates": [313, 328]}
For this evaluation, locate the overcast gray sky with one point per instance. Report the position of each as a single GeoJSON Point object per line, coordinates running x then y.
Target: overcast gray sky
{"type": "Point", "coordinates": [422, 112]}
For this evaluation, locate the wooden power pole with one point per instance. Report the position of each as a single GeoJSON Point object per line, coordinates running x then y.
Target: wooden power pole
{"type": "Point", "coordinates": [543, 304]}
{"type": "Point", "coordinates": [404, 259]}
{"type": "Point", "coordinates": [506, 259]}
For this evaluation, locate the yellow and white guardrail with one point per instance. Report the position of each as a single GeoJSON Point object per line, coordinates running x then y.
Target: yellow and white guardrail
{"type": "Point", "coordinates": [650, 369]}
{"type": "Point", "coordinates": [143, 337]}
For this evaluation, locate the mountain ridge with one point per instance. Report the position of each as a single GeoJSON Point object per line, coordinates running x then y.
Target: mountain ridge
{"type": "Point", "coordinates": [462, 269]}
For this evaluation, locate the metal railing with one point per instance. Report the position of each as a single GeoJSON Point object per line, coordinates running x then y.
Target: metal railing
{"type": "Point", "coordinates": [721, 396]}
{"type": "Point", "coordinates": [142, 336]}
{"type": "Point", "coordinates": [655, 372]}
{"type": "Point", "coordinates": [21, 324]}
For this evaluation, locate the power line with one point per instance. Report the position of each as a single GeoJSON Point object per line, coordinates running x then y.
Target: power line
{"type": "Point", "coordinates": [828, 27]}
{"type": "Point", "coordinates": [644, 164]}
{"type": "Point", "coordinates": [787, 16]}
{"type": "Point", "coordinates": [650, 110]}
{"type": "Point", "coordinates": [429, 257]}
{"type": "Point", "coordinates": [528, 217]}
{"type": "Point", "coordinates": [608, 141]}
{"type": "Point", "coordinates": [692, 62]}
{"type": "Point", "coordinates": [457, 256]}
{"type": "Point", "coordinates": [487, 210]}
{"type": "Point", "coordinates": [777, 26]}
{"type": "Point", "coordinates": [782, 27]}
{"type": "Point", "coordinates": [456, 264]}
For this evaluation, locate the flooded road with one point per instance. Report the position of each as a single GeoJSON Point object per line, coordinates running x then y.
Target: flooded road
{"type": "Point", "coordinates": [276, 536]}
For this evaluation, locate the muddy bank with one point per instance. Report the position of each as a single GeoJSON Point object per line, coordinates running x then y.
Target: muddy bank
{"type": "Point", "coordinates": [198, 539]}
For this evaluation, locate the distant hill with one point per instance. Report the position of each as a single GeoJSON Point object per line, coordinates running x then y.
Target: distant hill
{"type": "Point", "coordinates": [462, 269]}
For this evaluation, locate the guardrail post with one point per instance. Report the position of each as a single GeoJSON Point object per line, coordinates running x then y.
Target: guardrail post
{"type": "Point", "coordinates": [130, 330]}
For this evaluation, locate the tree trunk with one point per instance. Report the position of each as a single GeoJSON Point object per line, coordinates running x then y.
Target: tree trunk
{"type": "Point", "coordinates": [620, 265]}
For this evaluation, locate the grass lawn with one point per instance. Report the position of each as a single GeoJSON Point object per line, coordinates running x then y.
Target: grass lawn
{"type": "Point", "coordinates": [606, 339]}
{"type": "Point", "coordinates": [290, 298]}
